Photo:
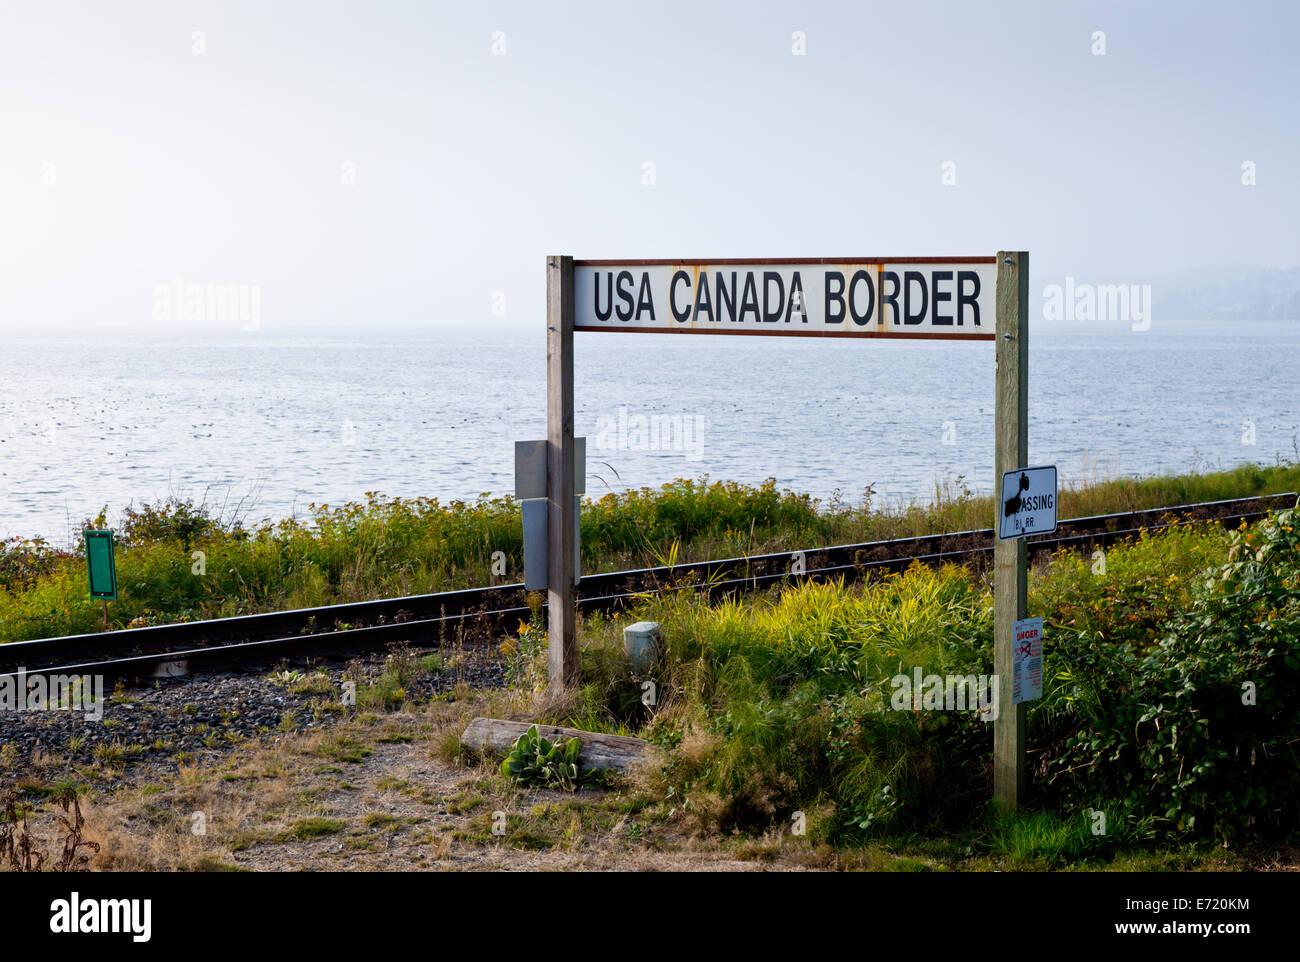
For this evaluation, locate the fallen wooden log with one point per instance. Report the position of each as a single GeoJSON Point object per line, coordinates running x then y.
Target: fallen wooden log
{"type": "Point", "coordinates": [615, 752]}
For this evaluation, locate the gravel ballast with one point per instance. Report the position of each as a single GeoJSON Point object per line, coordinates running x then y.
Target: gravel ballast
{"type": "Point", "coordinates": [166, 722]}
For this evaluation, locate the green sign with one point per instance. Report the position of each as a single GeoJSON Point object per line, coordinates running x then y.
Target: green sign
{"type": "Point", "coordinates": [99, 564]}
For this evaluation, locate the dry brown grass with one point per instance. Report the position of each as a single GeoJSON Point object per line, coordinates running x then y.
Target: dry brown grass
{"type": "Point", "coordinates": [383, 791]}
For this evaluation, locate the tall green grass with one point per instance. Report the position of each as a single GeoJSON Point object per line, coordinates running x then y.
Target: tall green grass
{"type": "Point", "coordinates": [178, 561]}
{"type": "Point", "coordinates": [781, 703]}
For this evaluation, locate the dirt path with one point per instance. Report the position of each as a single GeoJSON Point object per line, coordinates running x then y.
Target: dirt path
{"type": "Point", "coordinates": [403, 810]}
{"type": "Point", "coordinates": [379, 792]}
{"type": "Point", "coordinates": [389, 789]}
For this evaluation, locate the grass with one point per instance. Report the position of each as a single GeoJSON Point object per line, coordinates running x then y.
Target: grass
{"type": "Point", "coordinates": [778, 705]}
{"type": "Point", "coordinates": [398, 805]}
{"type": "Point", "coordinates": [341, 748]}
{"type": "Point", "coordinates": [177, 562]}
{"type": "Point", "coordinates": [386, 689]}
{"type": "Point", "coordinates": [315, 828]}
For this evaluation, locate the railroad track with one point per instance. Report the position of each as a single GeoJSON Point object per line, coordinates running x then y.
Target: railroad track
{"type": "Point", "coordinates": [483, 614]}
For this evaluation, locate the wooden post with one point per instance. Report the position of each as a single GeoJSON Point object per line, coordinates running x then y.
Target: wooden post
{"type": "Point", "coordinates": [1011, 451]}
{"type": "Point", "coordinates": [106, 614]}
{"type": "Point", "coordinates": [562, 640]}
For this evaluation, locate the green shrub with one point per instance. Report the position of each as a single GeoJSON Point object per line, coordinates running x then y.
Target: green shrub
{"type": "Point", "coordinates": [1201, 727]}
{"type": "Point", "coordinates": [780, 703]}
{"type": "Point", "coordinates": [24, 561]}
{"type": "Point", "coordinates": [176, 520]}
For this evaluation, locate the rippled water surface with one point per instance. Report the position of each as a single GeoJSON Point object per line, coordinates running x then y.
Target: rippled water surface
{"type": "Point", "coordinates": [282, 421]}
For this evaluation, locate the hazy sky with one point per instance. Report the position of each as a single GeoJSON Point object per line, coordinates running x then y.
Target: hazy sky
{"type": "Point", "coordinates": [142, 142]}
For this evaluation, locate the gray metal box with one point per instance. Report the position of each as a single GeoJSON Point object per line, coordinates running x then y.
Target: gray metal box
{"type": "Point", "coordinates": [530, 468]}
{"type": "Point", "coordinates": [534, 512]}
{"type": "Point", "coordinates": [537, 543]}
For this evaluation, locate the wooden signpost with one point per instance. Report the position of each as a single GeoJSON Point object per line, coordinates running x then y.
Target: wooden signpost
{"type": "Point", "coordinates": [562, 641]}
{"type": "Point", "coordinates": [1010, 451]}
{"type": "Point", "coordinates": [952, 298]}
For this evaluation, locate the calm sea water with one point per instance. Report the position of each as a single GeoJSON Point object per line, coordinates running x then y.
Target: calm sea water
{"type": "Point", "coordinates": [277, 422]}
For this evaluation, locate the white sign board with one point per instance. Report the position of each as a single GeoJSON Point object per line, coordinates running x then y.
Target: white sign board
{"type": "Point", "coordinates": [1027, 660]}
{"type": "Point", "coordinates": [1028, 503]}
{"type": "Point", "coordinates": [936, 297]}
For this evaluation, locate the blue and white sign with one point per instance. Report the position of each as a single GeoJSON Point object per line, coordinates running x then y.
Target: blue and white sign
{"type": "Point", "coordinates": [1028, 503]}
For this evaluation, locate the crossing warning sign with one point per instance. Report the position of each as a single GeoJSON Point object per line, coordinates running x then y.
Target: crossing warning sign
{"type": "Point", "coordinates": [1028, 502]}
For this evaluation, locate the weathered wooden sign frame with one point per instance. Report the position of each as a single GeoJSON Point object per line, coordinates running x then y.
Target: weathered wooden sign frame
{"type": "Point", "coordinates": [1010, 333]}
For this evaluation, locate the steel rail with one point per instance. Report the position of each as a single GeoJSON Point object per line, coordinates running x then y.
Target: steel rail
{"type": "Point", "coordinates": [489, 610]}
